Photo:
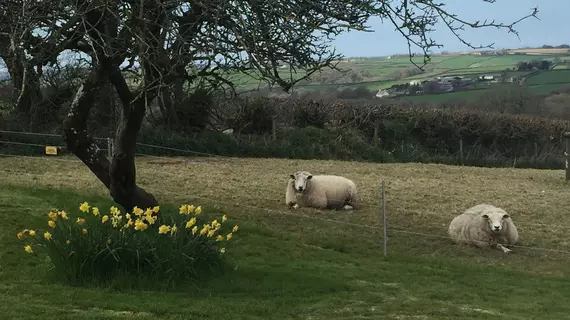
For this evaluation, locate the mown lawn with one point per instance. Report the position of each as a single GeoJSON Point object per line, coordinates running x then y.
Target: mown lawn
{"type": "Point", "coordinates": [297, 265]}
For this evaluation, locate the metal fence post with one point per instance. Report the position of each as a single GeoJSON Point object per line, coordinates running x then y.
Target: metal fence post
{"type": "Point", "coordinates": [110, 148]}
{"type": "Point", "coordinates": [383, 201]}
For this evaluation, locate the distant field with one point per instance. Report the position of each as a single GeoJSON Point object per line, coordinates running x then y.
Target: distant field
{"type": "Point", "coordinates": [470, 95]}
{"type": "Point", "coordinates": [543, 51]}
{"type": "Point", "coordinates": [377, 69]}
{"type": "Point", "coordinates": [555, 76]}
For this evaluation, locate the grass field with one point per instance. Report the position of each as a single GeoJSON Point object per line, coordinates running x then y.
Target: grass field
{"type": "Point", "coordinates": [556, 76]}
{"type": "Point", "coordinates": [470, 95]}
{"type": "Point", "coordinates": [440, 65]}
{"type": "Point", "coordinates": [296, 265]}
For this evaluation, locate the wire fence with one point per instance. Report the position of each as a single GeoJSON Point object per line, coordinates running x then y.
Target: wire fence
{"type": "Point", "coordinates": [520, 154]}
{"type": "Point", "coordinates": [377, 227]}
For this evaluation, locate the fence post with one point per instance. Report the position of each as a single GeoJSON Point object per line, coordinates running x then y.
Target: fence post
{"type": "Point", "coordinates": [383, 204]}
{"type": "Point", "coordinates": [567, 154]}
{"type": "Point", "coordinates": [375, 137]}
{"type": "Point", "coordinates": [109, 148]}
{"type": "Point", "coordinates": [273, 129]}
{"type": "Point", "coordinates": [461, 149]}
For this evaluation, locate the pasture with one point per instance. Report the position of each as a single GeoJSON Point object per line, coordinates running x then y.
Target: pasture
{"type": "Point", "coordinates": [309, 264]}
{"type": "Point", "coordinates": [378, 68]}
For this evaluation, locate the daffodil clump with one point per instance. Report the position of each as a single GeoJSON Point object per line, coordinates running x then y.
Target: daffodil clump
{"type": "Point", "coordinates": [93, 244]}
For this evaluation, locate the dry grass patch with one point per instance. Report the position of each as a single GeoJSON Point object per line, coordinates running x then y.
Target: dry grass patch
{"type": "Point", "coordinates": [421, 198]}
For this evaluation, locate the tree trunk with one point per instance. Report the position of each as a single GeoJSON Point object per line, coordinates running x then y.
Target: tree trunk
{"type": "Point", "coordinates": [123, 171]}
{"type": "Point", "coordinates": [120, 175]}
{"type": "Point", "coordinates": [25, 81]}
{"type": "Point", "coordinates": [170, 108]}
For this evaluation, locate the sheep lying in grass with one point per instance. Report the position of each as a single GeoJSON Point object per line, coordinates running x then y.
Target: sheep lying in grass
{"type": "Point", "coordinates": [484, 225]}
{"type": "Point", "coordinates": [321, 191]}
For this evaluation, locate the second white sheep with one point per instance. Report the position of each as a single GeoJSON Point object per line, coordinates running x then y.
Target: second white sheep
{"type": "Point", "coordinates": [484, 225]}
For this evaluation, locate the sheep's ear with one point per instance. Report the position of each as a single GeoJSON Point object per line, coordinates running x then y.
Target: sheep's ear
{"type": "Point", "coordinates": [485, 216]}
{"type": "Point", "coordinates": [292, 177]}
{"type": "Point", "coordinates": [309, 177]}
{"type": "Point", "coordinates": [506, 216]}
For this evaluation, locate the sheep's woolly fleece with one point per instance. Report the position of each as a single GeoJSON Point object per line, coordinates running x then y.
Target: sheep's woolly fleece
{"type": "Point", "coordinates": [484, 225]}
{"type": "Point", "coordinates": [321, 191]}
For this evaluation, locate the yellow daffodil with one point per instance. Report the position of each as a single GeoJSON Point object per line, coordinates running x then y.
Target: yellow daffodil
{"type": "Point", "coordinates": [95, 211]}
{"type": "Point", "coordinates": [150, 219]}
{"type": "Point", "coordinates": [224, 218]}
{"type": "Point", "coordinates": [51, 223]}
{"type": "Point", "coordinates": [148, 212]}
{"type": "Point", "coordinates": [84, 231]}
{"type": "Point", "coordinates": [229, 236]}
{"type": "Point", "coordinates": [47, 235]}
{"type": "Point", "coordinates": [130, 222]}
{"type": "Point", "coordinates": [84, 207]}
{"type": "Point", "coordinates": [140, 225]}
{"type": "Point", "coordinates": [183, 209]}
{"type": "Point", "coordinates": [80, 221]}
{"type": "Point", "coordinates": [219, 238]}
{"type": "Point", "coordinates": [138, 211]}
{"type": "Point", "coordinates": [20, 235]}
{"type": "Point", "coordinates": [63, 214]}
{"type": "Point", "coordinates": [199, 210]}
{"type": "Point", "coordinates": [173, 229]}
{"type": "Point", "coordinates": [28, 249]}
{"type": "Point", "coordinates": [235, 228]}
{"type": "Point", "coordinates": [195, 229]}
{"type": "Point", "coordinates": [163, 229]}
{"type": "Point", "coordinates": [215, 223]}
{"type": "Point", "coordinates": [222, 250]}
{"type": "Point", "coordinates": [115, 221]}
{"type": "Point", "coordinates": [211, 233]}
{"type": "Point", "coordinates": [191, 208]}
{"type": "Point", "coordinates": [128, 216]}
{"type": "Point", "coordinates": [156, 209]}
{"type": "Point", "coordinates": [52, 215]}
{"type": "Point", "coordinates": [32, 233]}
{"type": "Point", "coordinates": [104, 219]}
{"type": "Point", "coordinates": [115, 211]}
{"type": "Point", "coordinates": [190, 223]}
{"type": "Point", "coordinates": [205, 229]}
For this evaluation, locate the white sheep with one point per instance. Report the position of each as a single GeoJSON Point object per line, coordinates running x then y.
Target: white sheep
{"type": "Point", "coordinates": [484, 225]}
{"type": "Point", "coordinates": [321, 191]}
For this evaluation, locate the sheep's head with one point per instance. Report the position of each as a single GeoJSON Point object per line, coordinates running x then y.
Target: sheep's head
{"type": "Point", "coordinates": [300, 179]}
{"type": "Point", "coordinates": [495, 218]}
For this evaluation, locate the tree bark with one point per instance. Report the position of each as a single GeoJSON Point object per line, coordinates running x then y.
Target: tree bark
{"type": "Point", "coordinates": [26, 83]}
{"type": "Point", "coordinates": [119, 176]}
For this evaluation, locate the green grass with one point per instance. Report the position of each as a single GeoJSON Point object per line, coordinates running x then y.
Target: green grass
{"type": "Point", "coordinates": [380, 67]}
{"type": "Point", "coordinates": [544, 89]}
{"type": "Point", "coordinates": [547, 77]}
{"type": "Point", "coordinates": [289, 265]}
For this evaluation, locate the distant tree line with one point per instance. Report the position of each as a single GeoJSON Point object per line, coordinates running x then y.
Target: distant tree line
{"type": "Point", "coordinates": [533, 65]}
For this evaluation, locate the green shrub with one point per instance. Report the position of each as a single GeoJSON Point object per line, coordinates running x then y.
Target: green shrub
{"type": "Point", "coordinates": [254, 116]}
{"type": "Point", "coordinates": [195, 110]}
{"type": "Point", "coordinates": [313, 113]}
{"type": "Point", "coordinates": [146, 244]}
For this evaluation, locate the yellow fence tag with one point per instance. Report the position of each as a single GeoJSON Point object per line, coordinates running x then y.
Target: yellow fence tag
{"type": "Point", "coordinates": [51, 150]}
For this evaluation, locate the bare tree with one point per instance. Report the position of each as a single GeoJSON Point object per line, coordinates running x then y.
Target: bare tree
{"type": "Point", "coordinates": [169, 44]}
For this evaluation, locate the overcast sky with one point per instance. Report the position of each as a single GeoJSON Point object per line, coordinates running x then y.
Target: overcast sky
{"type": "Point", "coordinates": [552, 28]}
